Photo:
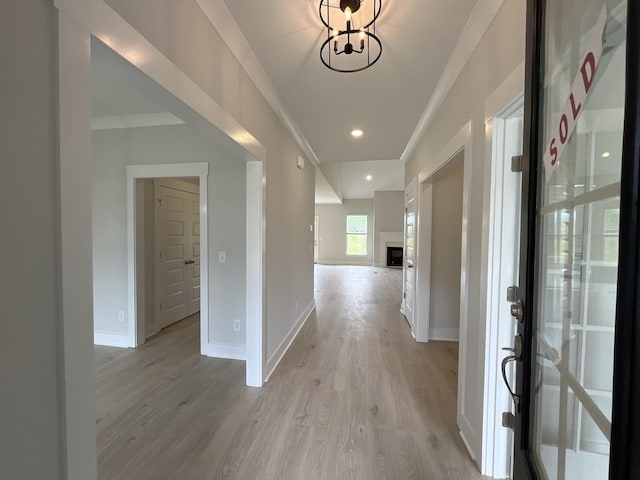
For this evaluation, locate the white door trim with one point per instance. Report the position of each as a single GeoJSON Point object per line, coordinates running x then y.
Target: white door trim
{"type": "Point", "coordinates": [170, 170]}
{"type": "Point", "coordinates": [256, 270]}
{"type": "Point", "coordinates": [462, 141]}
{"type": "Point", "coordinates": [75, 341]}
{"type": "Point", "coordinates": [77, 21]}
{"type": "Point", "coordinates": [496, 440]}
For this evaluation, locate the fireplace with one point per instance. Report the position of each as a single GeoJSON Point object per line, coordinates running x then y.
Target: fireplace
{"type": "Point", "coordinates": [394, 256]}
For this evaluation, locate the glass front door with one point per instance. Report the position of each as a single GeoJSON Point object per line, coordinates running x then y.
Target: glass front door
{"type": "Point", "coordinates": [570, 254]}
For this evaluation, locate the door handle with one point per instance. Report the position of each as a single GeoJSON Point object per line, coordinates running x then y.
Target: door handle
{"type": "Point", "coordinates": [514, 396]}
{"type": "Point", "coordinates": [409, 266]}
{"type": "Point", "coordinates": [189, 262]}
{"type": "Point", "coordinates": [517, 355]}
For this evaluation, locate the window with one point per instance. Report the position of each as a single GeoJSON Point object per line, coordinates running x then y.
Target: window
{"type": "Point", "coordinates": [356, 234]}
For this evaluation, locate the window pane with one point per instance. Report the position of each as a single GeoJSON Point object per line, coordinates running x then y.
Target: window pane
{"type": "Point", "coordinates": [356, 224]}
{"type": "Point", "coordinates": [356, 244]}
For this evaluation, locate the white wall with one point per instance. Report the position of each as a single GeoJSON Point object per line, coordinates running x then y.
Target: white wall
{"type": "Point", "coordinates": [388, 212]}
{"type": "Point", "coordinates": [30, 367]}
{"type": "Point", "coordinates": [497, 55]}
{"type": "Point", "coordinates": [446, 246]}
{"type": "Point", "coordinates": [332, 232]}
{"type": "Point", "coordinates": [112, 151]}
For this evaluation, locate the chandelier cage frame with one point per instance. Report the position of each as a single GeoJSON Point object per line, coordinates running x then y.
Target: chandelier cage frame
{"type": "Point", "coordinates": [343, 35]}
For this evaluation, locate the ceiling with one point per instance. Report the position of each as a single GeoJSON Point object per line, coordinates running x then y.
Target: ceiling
{"type": "Point", "coordinates": [386, 101]}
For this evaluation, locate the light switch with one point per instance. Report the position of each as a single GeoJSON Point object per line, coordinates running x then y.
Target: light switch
{"type": "Point", "coordinates": [222, 256]}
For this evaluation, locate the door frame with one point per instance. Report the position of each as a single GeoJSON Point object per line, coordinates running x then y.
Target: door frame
{"type": "Point", "coordinates": [461, 141]}
{"type": "Point", "coordinates": [77, 21]}
{"type": "Point", "coordinates": [136, 326]}
{"type": "Point", "coordinates": [505, 101]}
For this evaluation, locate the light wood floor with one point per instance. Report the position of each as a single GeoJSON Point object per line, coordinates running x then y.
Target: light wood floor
{"type": "Point", "coordinates": [354, 398]}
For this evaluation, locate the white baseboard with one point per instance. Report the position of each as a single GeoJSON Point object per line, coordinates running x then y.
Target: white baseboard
{"type": "Point", "coordinates": [466, 444]}
{"type": "Point", "coordinates": [150, 330]}
{"type": "Point", "coordinates": [112, 339]}
{"type": "Point", "coordinates": [444, 334]}
{"type": "Point", "coordinates": [225, 350]}
{"type": "Point", "coordinates": [273, 362]}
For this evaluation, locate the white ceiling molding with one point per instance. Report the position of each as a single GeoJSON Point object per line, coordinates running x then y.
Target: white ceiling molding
{"type": "Point", "coordinates": [132, 121]}
{"type": "Point", "coordinates": [478, 23]}
{"type": "Point", "coordinates": [222, 20]}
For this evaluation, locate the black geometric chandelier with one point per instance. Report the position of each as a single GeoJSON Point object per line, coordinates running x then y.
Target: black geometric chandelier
{"type": "Point", "coordinates": [351, 44]}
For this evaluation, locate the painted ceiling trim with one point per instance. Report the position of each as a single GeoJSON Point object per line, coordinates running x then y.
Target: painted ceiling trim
{"type": "Point", "coordinates": [222, 20]}
{"type": "Point", "coordinates": [473, 31]}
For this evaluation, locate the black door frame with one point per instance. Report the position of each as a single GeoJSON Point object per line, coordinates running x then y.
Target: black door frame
{"type": "Point", "coordinates": [625, 429]}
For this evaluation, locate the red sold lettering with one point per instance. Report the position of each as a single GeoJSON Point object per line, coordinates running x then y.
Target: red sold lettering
{"type": "Point", "coordinates": [587, 73]}
{"type": "Point", "coordinates": [563, 131]}
{"type": "Point", "coordinates": [553, 150]}
{"type": "Point", "coordinates": [575, 110]}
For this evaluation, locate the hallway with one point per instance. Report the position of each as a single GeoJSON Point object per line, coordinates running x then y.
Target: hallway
{"type": "Point", "coordinates": [354, 398]}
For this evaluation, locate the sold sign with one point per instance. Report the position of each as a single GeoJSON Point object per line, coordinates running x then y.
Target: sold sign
{"type": "Point", "coordinates": [579, 90]}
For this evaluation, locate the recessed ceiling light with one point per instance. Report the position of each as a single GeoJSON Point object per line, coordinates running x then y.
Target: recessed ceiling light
{"type": "Point", "coordinates": [357, 133]}
{"type": "Point", "coordinates": [369, 177]}
{"type": "Point", "coordinates": [606, 155]}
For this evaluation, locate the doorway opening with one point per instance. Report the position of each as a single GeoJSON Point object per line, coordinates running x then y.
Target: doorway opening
{"type": "Point", "coordinates": [168, 233]}
{"type": "Point", "coordinates": [457, 153]}
{"type": "Point", "coordinates": [148, 146]}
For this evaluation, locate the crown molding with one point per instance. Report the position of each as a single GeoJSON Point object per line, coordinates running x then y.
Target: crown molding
{"type": "Point", "coordinates": [481, 17]}
{"type": "Point", "coordinates": [222, 20]}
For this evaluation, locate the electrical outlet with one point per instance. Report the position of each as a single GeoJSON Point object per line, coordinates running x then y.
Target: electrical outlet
{"type": "Point", "coordinates": [236, 325]}
{"type": "Point", "coordinates": [121, 315]}
{"type": "Point", "coordinates": [222, 256]}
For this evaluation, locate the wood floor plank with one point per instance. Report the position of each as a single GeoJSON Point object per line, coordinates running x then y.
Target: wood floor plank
{"type": "Point", "coordinates": [354, 398]}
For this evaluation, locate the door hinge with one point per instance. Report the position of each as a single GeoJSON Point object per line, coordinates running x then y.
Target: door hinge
{"type": "Point", "coordinates": [404, 294]}
{"type": "Point", "coordinates": [516, 163]}
{"type": "Point", "coordinates": [508, 420]}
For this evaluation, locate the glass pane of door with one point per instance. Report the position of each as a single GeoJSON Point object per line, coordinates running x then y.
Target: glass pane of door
{"type": "Point", "coordinates": [577, 253]}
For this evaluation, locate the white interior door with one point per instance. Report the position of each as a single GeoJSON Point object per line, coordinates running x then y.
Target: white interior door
{"type": "Point", "coordinates": [177, 253]}
{"type": "Point", "coordinates": [315, 239]}
{"type": "Point", "coordinates": [194, 244]}
{"type": "Point", "coordinates": [409, 253]}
